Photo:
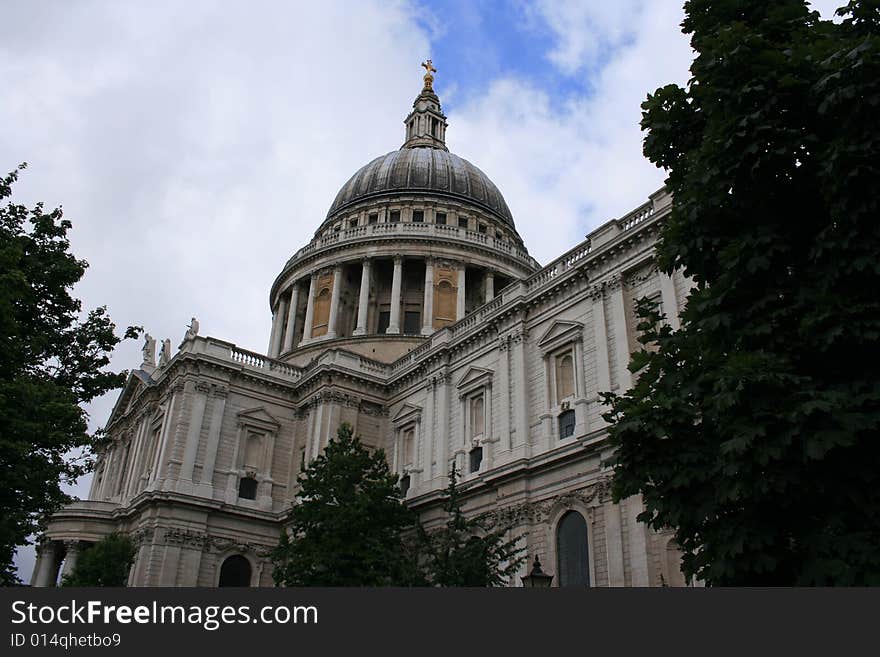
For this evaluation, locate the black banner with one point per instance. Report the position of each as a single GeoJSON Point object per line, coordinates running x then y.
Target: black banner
{"type": "Point", "coordinates": [427, 621]}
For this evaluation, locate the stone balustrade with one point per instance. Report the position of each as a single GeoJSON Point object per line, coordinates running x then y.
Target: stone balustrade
{"type": "Point", "coordinates": [409, 229]}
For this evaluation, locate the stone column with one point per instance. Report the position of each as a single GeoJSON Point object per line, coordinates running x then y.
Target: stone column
{"type": "Point", "coordinates": [273, 333]}
{"type": "Point", "coordinates": [427, 433]}
{"type": "Point", "coordinates": [580, 400]}
{"type": "Point", "coordinates": [46, 567]}
{"type": "Point", "coordinates": [70, 558]}
{"type": "Point", "coordinates": [638, 543]}
{"type": "Point", "coordinates": [621, 335]}
{"type": "Point", "coordinates": [166, 439]}
{"type": "Point", "coordinates": [490, 286]}
{"type": "Point", "coordinates": [134, 471]}
{"type": "Point", "coordinates": [460, 306]}
{"type": "Point", "coordinates": [193, 434]}
{"type": "Point", "coordinates": [504, 391]}
{"type": "Point", "coordinates": [310, 311]}
{"type": "Point", "coordinates": [443, 425]}
{"type": "Point", "coordinates": [603, 372]}
{"type": "Point", "coordinates": [334, 301]}
{"type": "Point", "coordinates": [363, 298]}
{"type": "Point", "coordinates": [394, 322]}
{"type": "Point", "coordinates": [279, 328]}
{"type": "Point", "coordinates": [614, 544]}
{"type": "Point", "coordinates": [291, 318]}
{"type": "Point", "coordinates": [670, 300]}
{"type": "Point", "coordinates": [428, 314]}
{"type": "Point", "coordinates": [521, 402]}
{"type": "Point", "coordinates": [205, 487]}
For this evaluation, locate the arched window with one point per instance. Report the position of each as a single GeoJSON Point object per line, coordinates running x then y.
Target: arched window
{"type": "Point", "coordinates": [235, 571]}
{"type": "Point", "coordinates": [322, 312]}
{"type": "Point", "coordinates": [477, 417]}
{"type": "Point", "coordinates": [572, 550]}
{"type": "Point", "coordinates": [444, 304]}
{"type": "Point", "coordinates": [564, 377]}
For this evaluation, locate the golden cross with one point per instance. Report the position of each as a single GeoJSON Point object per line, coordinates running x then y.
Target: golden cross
{"type": "Point", "coordinates": [429, 68]}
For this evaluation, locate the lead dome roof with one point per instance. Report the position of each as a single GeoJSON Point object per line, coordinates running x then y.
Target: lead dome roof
{"type": "Point", "coordinates": [422, 169]}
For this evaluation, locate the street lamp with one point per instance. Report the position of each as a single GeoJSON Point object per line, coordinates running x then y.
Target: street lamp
{"type": "Point", "coordinates": [537, 579]}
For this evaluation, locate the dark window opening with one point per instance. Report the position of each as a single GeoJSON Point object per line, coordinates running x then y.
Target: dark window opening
{"type": "Point", "coordinates": [247, 488]}
{"type": "Point", "coordinates": [482, 228]}
{"type": "Point", "coordinates": [573, 550]}
{"type": "Point", "coordinates": [394, 216]}
{"type": "Point", "coordinates": [412, 322]}
{"type": "Point", "coordinates": [462, 222]}
{"type": "Point", "coordinates": [476, 458]}
{"type": "Point", "coordinates": [384, 321]}
{"type": "Point", "coordinates": [352, 223]}
{"type": "Point", "coordinates": [566, 424]}
{"type": "Point", "coordinates": [404, 485]}
{"type": "Point", "coordinates": [418, 215]}
{"type": "Point", "coordinates": [337, 228]}
{"type": "Point", "coordinates": [373, 219]}
{"type": "Point", "coordinates": [440, 218]}
{"type": "Point", "coordinates": [235, 571]}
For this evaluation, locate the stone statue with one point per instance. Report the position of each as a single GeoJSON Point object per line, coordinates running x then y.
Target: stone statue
{"type": "Point", "coordinates": [192, 330]}
{"type": "Point", "coordinates": [429, 71]}
{"type": "Point", "coordinates": [165, 354]}
{"type": "Point", "coordinates": [149, 350]}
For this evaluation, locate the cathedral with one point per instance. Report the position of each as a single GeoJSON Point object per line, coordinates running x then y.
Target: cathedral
{"type": "Point", "coordinates": [416, 314]}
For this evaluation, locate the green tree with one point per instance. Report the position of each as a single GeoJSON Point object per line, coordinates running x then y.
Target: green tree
{"type": "Point", "coordinates": [469, 551]}
{"type": "Point", "coordinates": [347, 525]}
{"type": "Point", "coordinates": [51, 361]}
{"type": "Point", "coordinates": [753, 430]}
{"type": "Point", "coordinates": [106, 563]}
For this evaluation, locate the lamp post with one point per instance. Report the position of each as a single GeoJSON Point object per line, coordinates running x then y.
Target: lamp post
{"type": "Point", "coordinates": [537, 579]}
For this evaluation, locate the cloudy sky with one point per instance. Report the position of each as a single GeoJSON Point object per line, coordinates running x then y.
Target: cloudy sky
{"type": "Point", "coordinates": [196, 145]}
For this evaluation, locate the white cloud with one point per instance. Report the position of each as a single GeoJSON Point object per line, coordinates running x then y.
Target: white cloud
{"type": "Point", "coordinates": [565, 170]}
{"type": "Point", "coordinates": [585, 31]}
{"type": "Point", "coordinates": [196, 146]}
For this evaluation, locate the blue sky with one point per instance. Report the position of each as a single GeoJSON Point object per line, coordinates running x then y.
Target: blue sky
{"type": "Point", "coordinates": [195, 146]}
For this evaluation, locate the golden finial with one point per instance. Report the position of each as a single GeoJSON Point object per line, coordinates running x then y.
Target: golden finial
{"type": "Point", "coordinates": [429, 71]}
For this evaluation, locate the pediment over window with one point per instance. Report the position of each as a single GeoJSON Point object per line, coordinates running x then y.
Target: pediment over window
{"type": "Point", "coordinates": [474, 377]}
{"type": "Point", "coordinates": [407, 413]}
{"type": "Point", "coordinates": [258, 418]}
{"type": "Point", "coordinates": [560, 332]}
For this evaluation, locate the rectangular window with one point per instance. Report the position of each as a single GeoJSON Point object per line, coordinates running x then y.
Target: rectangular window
{"type": "Point", "coordinates": [412, 322]}
{"type": "Point", "coordinates": [462, 222]}
{"type": "Point", "coordinates": [418, 215]}
{"type": "Point", "coordinates": [384, 321]}
{"type": "Point", "coordinates": [247, 488]}
{"type": "Point", "coordinates": [394, 216]}
{"type": "Point", "coordinates": [352, 223]}
{"type": "Point", "coordinates": [482, 228]}
{"type": "Point", "coordinates": [440, 218]}
{"type": "Point", "coordinates": [373, 218]}
{"type": "Point", "coordinates": [476, 458]}
{"type": "Point", "coordinates": [566, 424]}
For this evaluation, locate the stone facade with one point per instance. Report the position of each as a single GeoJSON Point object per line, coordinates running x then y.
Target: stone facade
{"type": "Point", "coordinates": [415, 314]}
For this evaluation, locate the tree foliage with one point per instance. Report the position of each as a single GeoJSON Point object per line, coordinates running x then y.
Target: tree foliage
{"type": "Point", "coordinates": [468, 551]}
{"type": "Point", "coordinates": [52, 359]}
{"type": "Point", "coordinates": [106, 563]}
{"type": "Point", "coordinates": [347, 525]}
{"type": "Point", "coordinates": [753, 430]}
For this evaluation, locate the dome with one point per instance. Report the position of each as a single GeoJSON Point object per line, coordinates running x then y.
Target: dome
{"type": "Point", "coordinates": [423, 169]}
